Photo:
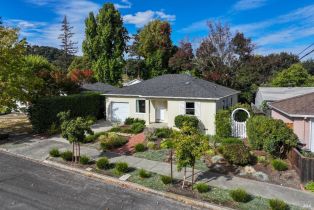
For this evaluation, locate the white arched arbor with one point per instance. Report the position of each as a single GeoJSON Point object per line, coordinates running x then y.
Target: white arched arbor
{"type": "Point", "coordinates": [239, 128]}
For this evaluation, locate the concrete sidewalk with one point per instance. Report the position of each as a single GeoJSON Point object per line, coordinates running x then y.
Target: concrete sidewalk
{"type": "Point", "coordinates": [262, 189]}
{"type": "Point", "coordinates": [36, 148]}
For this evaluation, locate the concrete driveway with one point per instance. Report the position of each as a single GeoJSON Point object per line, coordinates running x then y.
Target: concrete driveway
{"type": "Point", "coordinates": [38, 148]}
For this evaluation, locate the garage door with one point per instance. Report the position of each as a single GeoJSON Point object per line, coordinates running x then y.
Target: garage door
{"type": "Point", "coordinates": [119, 111]}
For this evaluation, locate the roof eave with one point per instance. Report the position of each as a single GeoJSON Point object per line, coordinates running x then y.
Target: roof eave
{"type": "Point", "coordinates": [292, 115]}
{"type": "Point", "coordinates": [171, 97]}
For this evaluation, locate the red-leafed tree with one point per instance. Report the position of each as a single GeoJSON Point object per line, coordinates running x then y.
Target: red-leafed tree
{"type": "Point", "coordinates": [82, 76]}
{"type": "Point", "coordinates": [182, 60]}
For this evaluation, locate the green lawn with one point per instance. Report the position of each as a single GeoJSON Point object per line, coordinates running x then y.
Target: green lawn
{"type": "Point", "coordinates": [162, 155]}
{"type": "Point", "coordinates": [153, 182]}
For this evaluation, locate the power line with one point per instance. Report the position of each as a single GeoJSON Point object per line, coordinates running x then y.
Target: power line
{"type": "Point", "coordinates": [306, 54]}
{"type": "Point", "coordinates": [306, 48]}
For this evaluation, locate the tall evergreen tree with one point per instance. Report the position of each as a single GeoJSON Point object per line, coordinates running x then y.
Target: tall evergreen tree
{"type": "Point", "coordinates": [68, 46]}
{"type": "Point", "coordinates": [105, 43]}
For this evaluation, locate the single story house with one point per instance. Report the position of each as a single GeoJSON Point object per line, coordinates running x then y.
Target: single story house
{"type": "Point", "coordinates": [161, 99]}
{"type": "Point", "coordinates": [98, 87]}
{"type": "Point", "coordinates": [298, 113]}
{"type": "Point", "coordinates": [271, 94]}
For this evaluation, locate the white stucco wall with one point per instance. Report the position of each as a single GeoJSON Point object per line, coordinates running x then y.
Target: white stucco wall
{"type": "Point", "coordinates": [206, 113]}
{"type": "Point", "coordinates": [205, 110]}
{"type": "Point", "coordinates": [132, 107]}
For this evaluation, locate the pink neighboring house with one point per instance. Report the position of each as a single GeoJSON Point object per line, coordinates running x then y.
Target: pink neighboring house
{"type": "Point", "coordinates": [298, 113]}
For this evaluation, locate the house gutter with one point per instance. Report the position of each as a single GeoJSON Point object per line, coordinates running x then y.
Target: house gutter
{"type": "Point", "coordinates": [292, 115]}
{"type": "Point", "coordinates": [170, 97]}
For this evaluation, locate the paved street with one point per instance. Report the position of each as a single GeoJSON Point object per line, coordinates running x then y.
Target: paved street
{"type": "Point", "coordinates": [28, 185]}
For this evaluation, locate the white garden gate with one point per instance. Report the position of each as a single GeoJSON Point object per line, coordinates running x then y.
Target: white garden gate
{"type": "Point", "coordinates": [238, 128]}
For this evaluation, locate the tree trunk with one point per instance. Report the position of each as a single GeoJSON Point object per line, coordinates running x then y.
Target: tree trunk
{"type": "Point", "coordinates": [73, 152]}
{"type": "Point", "coordinates": [79, 147]}
{"type": "Point", "coordinates": [184, 177]}
{"type": "Point", "coordinates": [192, 175]}
{"type": "Point", "coordinates": [171, 165]}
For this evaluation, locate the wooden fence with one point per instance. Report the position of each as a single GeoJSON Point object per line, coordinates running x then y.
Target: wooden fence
{"type": "Point", "coordinates": [303, 165]}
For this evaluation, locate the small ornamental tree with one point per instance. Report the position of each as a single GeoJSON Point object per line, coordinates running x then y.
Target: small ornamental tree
{"type": "Point", "coordinates": [190, 146]}
{"type": "Point", "coordinates": [169, 143]}
{"type": "Point", "coordinates": [74, 130]}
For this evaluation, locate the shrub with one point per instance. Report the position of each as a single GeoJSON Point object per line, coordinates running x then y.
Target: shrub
{"type": "Point", "coordinates": [166, 179]}
{"type": "Point", "coordinates": [163, 132]}
{"type": "Point", "coordinates": [54, 152]}
{"type": "Point", "coordinates": [43, 112]}
{"type": "Point", "coordinates": [84, 159]}
{"type": "Point", "coordinates": [271, 135]}
{"type": "Point", "coordinates": [276, 204]}
{"type": "Point", "coordinates": [93, 137]}
{"type": "Point", "coordinates": [140, 147]}
{"type": "Point", "coordinates": [191, 121]}
{"type": "Point", "coordinates": [240, 195]}
{"type": "Point", "coordinates": [53, 129]}
{"type": "Point", "coordinates": [144, 174]}
{"type": "Point", "coordinates": [223, 123]}
{"type": "Point", "coordinates": [129, 121]}
{"type": "Point", "coordinates": [136, 120]}
{"type": "Point", "coordinates": [231, 140]}
{"type": "Point", "coordinates": [201, 187]}
{"type": "Point", "coordinates": [137, 127]}
{"type": "Point", "coordinates": [310, 186]}
{"type": "Point", "coordinates": [151, 145]}
{"type": "Point", "coordinates": [237, 154]}
{"type": "Point", "coordinates": [122, 167]}
{"type": "Point", "coordinates": [111, 141]}
{"type": "Point", "coordinates": [102, 163]}
{"type": "Point", "coordinates": [67, 155]}
{"type": "Point", "coordinates": [279, 165]}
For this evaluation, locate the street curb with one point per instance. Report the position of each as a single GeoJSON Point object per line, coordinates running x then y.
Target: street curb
{"type": "Point", "coordinates": [134, 186]}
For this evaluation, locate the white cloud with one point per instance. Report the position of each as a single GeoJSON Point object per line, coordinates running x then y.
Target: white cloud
{"type": "Point", "coordinates": [248, 4]}
{"type": "Point", "coordinates": [139, 19]}
{"type": "Point", "coordinates": [76, 12]}
{"type": "Point", "coordinates": [125, 5]}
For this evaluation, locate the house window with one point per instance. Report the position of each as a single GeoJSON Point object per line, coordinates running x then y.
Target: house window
{"type": "Point", "coordinates": [140, 106]}
{"type": "Point", "coordinates": [190, 108]}
{"type": "Point", "coordinates": [224, 105]}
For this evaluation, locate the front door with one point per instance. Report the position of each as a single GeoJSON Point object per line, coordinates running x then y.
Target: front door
{"type": "Point", "coordinates": [160, 114]}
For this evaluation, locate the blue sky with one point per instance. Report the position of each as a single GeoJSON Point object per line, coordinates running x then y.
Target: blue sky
{"type": "Point", "coordinates": [274, 25]}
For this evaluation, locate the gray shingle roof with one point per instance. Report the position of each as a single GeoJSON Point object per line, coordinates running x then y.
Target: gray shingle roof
{"type": "Point", "coordinates": [98, 87]}
{"type": "Point", "coordinates": [176, 85]}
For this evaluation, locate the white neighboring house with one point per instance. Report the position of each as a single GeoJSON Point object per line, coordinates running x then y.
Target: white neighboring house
{"type": "Point", "coordinates": [272, 94]}
{"type": "Point", "coordinates": [161, 99]}
{"type": "Point", "coordinates": [132, 82]}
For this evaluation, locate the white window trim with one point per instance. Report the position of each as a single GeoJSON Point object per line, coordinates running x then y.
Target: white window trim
{"type": "Point", "coordinates": [190, 108]}
{"type": "Point", "coordinates": [136, 106]}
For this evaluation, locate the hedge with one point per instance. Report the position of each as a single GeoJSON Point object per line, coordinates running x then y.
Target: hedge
{"type": "Point", "coordinates": [223, 119]}
{"type": "Point", "coordinates": [223, 123]}
{"type": "Point", "coordinates": [43, 112]}
{"type": "Point", "coordinates": [271, 135]}
{"type": "Point", "coordinates": [180, 120]}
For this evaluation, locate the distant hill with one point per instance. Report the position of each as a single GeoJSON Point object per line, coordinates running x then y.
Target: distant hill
{"type": "Point", "coordinates": [52, 54]}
